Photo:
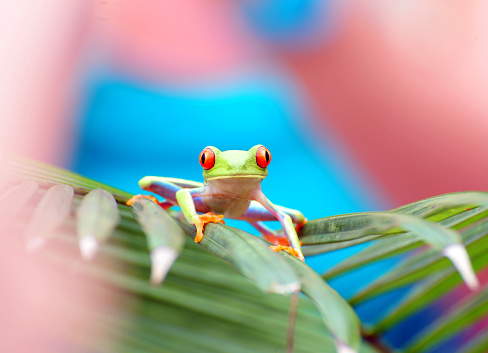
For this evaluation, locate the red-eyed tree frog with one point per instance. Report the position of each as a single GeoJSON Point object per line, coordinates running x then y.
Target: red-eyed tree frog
{"type": "Point", "coordinates": [232, 189]}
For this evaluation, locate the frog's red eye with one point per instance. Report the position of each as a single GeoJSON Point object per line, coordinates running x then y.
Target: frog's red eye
{"type": "Point", "coordinates": [263, 157]}
{"type": "Point", "coordinates": [207, 158]}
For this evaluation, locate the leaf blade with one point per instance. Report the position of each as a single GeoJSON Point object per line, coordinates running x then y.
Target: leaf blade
{"type": "Point", "coordinates": [338, 316]}
{"type": "Point", "coordinates": [164, 237]}
{"type": "Point", "coordinates": [96, 217]}
{"type": "Point", "coordinates": [459, 317]}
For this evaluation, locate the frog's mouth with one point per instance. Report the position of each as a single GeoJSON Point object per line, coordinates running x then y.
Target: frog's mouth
{"type": "Point", "coordinates": [253, 176]}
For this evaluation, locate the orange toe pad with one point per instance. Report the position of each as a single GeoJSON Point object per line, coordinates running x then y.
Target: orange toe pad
{"type": "Point", "coordinates": [139, 197]}
{"type": "Point", "coordinates": [204, 219]}
{"type": "Point", "coordinates": [288, 249]}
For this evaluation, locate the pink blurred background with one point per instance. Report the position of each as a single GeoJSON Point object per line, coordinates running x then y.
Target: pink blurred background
{"type": "Point", "coordinates": [399, 85]}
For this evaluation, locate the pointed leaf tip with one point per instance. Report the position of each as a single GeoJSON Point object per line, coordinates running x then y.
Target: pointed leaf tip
{"type": "Point", "coordinates": [160, 228]}
{"type": "Point", "coordinates": [341, 347]}
{"type": "Point", "coordinates": [162, 258]}
{"type": "Point", "coordinates": [89, 246]}
{"type": "Point", "coordinates": [49, 214]}
{"type": "Point", "coordinates": [15, 198]}
{"type": "Point", "coordinates": [459, 257]}
{"type": "Point", "coordinates": [96, 218]}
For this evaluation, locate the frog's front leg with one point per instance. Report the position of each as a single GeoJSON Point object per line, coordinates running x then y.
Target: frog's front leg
{"type": "Point", "coordinates": [186, 200]}
{"type": "Point", "coordinates": [285, 220]}
{"type": "Point", "coordinates": [167, 188]}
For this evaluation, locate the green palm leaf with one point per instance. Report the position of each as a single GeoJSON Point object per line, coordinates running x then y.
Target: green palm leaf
{"type": "Point", "coordinates": [478, 344]}
{"type": "Point", "coordinates": [97, 216]}
{"type": "Point", "coordinates": [425, 293]}
{"type": "Point", "coordinates": [395, 245]}
{"type": "Point", "coordinates": [164, 238]}
{"type": "Point", "coordinates": [226, 293]}
{"type": "Point", "coordinates": [462, 315]}
{"type": "Point", "coordinates": [207, 293]}
{"type": "Point", "coordinates": [442, 239]}
{"type": "Point", "coordinates": [424, 264]}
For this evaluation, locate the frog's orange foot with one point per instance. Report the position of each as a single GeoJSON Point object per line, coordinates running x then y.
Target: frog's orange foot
{"type": "Point", "coordinates": [165, 204]}
{"type": "Point", "coordinates": [139, 197]}
{"type": "Point", "coordinates": [204, 219]}
{"type": "Point", "coordinates": [300, 225]}
{"type": "Point", "coordinates": [288, 249]}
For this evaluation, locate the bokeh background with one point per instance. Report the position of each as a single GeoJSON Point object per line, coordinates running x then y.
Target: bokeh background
{"type": "Point", "coordinates": [363, 105]}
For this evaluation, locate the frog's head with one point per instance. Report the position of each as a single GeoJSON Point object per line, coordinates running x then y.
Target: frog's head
{"type": "Point", "coordinates": [235, 164]}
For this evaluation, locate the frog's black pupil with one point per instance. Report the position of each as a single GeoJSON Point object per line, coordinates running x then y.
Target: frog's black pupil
{"type": "Point", "coordinates": [267, 157]}
{"type": "Point", "coordinates": [203, 158]}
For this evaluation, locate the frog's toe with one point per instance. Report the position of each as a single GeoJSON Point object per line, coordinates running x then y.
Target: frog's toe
{"type": "Point", "coordinates": [199, 224]}
{"type": "Point", "coordinates": [288, 249]}
{"type": "Point", "coordinates": [201, 220]}
{"type": "Point", "coordinates": [139, 197]}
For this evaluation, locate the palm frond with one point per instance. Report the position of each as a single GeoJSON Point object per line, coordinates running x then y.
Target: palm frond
{"type": "Point", "coordinates": [231, 292]}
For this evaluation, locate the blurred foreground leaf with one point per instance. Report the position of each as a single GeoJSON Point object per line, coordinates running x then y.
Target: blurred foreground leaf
{"type": "Point", "coordinates": [204, 305]}
{"type": "Point", "coordinates": [230, 313]}
{"type": "Point", "coordinates": [96, 217]}
{"type": "Point", "coordinates": [165, 239]}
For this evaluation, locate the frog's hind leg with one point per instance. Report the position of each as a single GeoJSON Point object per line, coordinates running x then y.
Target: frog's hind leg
{"type": "Point", "coordinates": [296, 216]}
{"type": "Point", "coordinates": [257, 212]}
{"type": "Point", "coordinates": [270, 235]}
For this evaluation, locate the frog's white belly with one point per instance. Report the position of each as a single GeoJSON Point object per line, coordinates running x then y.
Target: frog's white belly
{"type": "Point", "coordinates": [230, 196]}
{"type": "Point", "coordinates": [229, 207]}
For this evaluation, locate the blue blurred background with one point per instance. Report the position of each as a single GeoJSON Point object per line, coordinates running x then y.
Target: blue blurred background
{"type": "Point", "coordinates": [363, 105]}
{"type": "Point", "coordinates": [131, 129]}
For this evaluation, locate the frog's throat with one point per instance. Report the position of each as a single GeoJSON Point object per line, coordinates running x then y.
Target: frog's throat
{"type": "Point", "coordinates": [236, 176]}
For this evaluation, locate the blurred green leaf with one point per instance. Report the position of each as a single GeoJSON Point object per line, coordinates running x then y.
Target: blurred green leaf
{"type": "Point", "coordinates": [164, 237]}
{"type": "Point", "coordinates": [477, 344]}
{"type": "Point", "coordinates": [444, 206]}
{"type": "Point", "coordinates": [376, 224]}
{"type": "Point", "coordinates": [460, 316]}
{"type": "Point", "coordinates": [204, 306]}
{"type": "Point", "coordinates": [97, 216]}
{"type": "Point", "coordinates": [422, 265]}
{"type": "Point", "coordinates": [49, 214]}
{"type": "Point", "coordinates": [338, 316]}
{"type": "Point", "coordinates": [25, 169]}
{"type": "Point", "coordinates": [425, 293]}
{"type": "Point", "coordinates": [16, 197]}
{"type": "Point", "coordinates": [441, 239]}
{"type": "Point", "coordinates": [398, 244]}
